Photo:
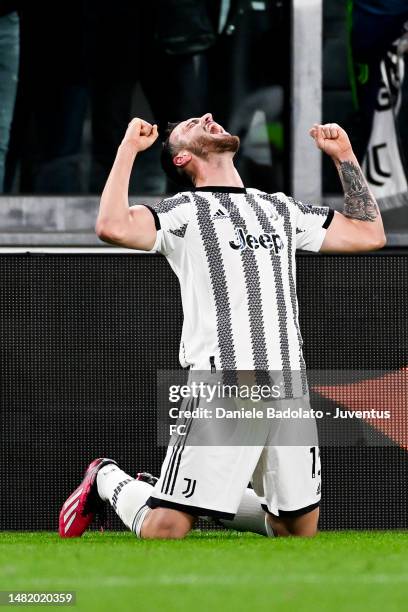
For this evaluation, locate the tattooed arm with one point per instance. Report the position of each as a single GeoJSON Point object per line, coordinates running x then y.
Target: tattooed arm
{"type": "Point", "coordinates": [359, 203]}
{"type": "Point", "coordinates": [359, 227]}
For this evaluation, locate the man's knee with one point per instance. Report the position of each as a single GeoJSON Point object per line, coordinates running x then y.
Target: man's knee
{"type": "Point", "coordinates": [164, 523]}
{"type": "Point", "coordinates": [301, 526]}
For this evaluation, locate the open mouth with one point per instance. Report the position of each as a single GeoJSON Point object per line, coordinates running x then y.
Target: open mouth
{"type": "Point", "coordinates": [213, 128]}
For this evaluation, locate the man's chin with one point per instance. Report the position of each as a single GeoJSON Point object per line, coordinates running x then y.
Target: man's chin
{"type": "Point", "coordinates": [225, 142]}
{"type": "Point", "coordinates": [215, 143]}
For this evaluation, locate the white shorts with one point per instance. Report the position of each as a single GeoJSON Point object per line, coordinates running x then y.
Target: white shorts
{"type": "Point", "coordinates": [210, 480]}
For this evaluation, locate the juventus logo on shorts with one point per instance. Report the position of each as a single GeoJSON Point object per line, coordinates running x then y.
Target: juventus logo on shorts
{"type": "Point", "coordinates": [189, 490]}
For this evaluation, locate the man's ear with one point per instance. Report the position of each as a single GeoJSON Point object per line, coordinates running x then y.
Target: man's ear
{"type": "Point", "coordinates": [181, 159]}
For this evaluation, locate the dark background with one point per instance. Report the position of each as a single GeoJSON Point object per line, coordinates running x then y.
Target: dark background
{"type": "Point", "coordinates": [83, 335]}
{"type": "Point", "coordinates": [87, 66]}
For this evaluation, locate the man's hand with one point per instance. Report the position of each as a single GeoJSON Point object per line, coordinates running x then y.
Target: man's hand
{"type": "Point", "coordinates": [360, 227]}
{"type": "Point", "coordinates": [140, 135]}
{"type": "Point", "coordinates": [332, 139]}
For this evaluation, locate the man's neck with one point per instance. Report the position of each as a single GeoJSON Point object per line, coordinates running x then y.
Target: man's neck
{"type": "Point", "coordinates": [220, 172]}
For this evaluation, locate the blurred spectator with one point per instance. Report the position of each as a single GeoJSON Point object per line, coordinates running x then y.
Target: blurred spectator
{"type": "Point", "coordinates": [84, 58]}
{"type": "Point", "coordinates": [376, 24]}
{"type": "Point", "coordinates": [250, 68]}
{"type": "Point", "coordinates": [51, 99]}
{"type": "Point", "coordinates": [357, 35]}
{"type": "Point", "coordinates": [157, 44]}
{"type": "Point", "coordinates": [9, 54]}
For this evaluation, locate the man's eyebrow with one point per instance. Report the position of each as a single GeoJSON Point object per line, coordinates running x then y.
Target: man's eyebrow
{"type": "Point", "coordinates": [190, 121]}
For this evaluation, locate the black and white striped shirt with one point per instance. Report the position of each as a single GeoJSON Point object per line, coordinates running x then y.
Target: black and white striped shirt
{"type": "Point", "coordinates": [233, 251]}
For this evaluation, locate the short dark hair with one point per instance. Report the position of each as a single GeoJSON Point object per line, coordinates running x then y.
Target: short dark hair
{"type": "Point", "coordinates": [175, 174]}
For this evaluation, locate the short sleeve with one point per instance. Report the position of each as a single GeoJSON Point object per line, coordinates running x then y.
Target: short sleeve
{"type": "Point", "coordinates": [312, 223]}
{"type": "Point", "coordinates": [171, 217]}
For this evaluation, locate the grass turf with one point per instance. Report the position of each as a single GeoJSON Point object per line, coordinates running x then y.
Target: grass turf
{"type": "Point", "coordinates": [212, 571]}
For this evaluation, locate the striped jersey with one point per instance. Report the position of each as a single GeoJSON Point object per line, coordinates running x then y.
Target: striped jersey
{"type": "Point", "coordinates": [233, 251]}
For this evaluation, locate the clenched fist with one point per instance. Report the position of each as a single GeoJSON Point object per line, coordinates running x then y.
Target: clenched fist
{"type": "Point", "coordinates": [331, 139]}
{"type": "Point", "coordinates": [140, 134]}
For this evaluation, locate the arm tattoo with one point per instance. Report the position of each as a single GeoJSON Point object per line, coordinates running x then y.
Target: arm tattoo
{"type": "Point", "coordinates": [358, 202]}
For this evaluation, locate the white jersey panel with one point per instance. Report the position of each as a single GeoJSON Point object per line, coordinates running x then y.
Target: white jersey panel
{"type": "Point", "coordinates": [282, 292]}
{"type": "Point", "coordinates": [232, 304]}
{"type": "Point", "coordinates": [276, 291]}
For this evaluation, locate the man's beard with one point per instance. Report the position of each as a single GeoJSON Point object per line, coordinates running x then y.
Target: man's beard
{"type": "Point", "coordinates": [205, 145]}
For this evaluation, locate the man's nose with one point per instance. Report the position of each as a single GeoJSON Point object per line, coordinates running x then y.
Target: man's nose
{"type": "Point", "coordinates": [206, 118]}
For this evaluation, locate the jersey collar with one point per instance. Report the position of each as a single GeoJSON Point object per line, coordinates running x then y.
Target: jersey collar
{"type": "Point", "coordinates": [216, 189]}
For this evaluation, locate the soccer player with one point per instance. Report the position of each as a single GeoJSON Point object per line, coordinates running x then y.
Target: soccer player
{"type": "Point", "coordinates": [233, 251]}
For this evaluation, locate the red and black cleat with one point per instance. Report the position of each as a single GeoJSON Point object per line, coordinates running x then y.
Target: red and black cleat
{"type": "Point", "coordinates": [79, 511]}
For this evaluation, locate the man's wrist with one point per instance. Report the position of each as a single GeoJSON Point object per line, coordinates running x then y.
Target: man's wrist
{"type": "Point", "coordinates": [345, 156]}
{"type": "Point", "coordinates": [128, 147]}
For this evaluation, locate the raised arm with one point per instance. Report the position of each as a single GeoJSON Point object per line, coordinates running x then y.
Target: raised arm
{"type": "Point", "coordinates": [359, 227]}
{"type": "Point", "coordinates": [117, 223]}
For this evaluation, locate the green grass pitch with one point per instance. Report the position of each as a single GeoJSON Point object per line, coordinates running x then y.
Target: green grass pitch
{"type": "Point", "coordinates": [212, 571]}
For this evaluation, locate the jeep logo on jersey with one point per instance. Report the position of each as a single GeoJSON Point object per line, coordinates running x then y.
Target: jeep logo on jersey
{"type": "Point", "coordinates": [266, 241]}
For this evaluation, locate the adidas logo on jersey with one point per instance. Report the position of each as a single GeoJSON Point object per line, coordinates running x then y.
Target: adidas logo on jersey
{"type": "Point", "coordinates": [273, 214]}
{"type": "Point", "coordinates": [267, 241]}
{"type": "Point", "coordinates": [221, 214]}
